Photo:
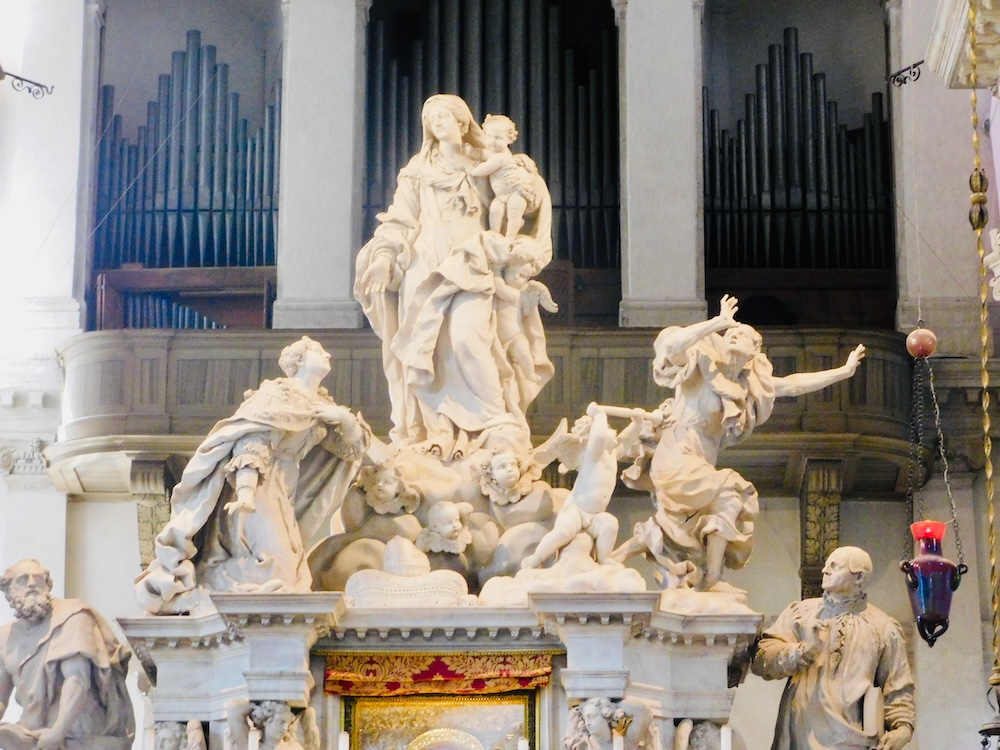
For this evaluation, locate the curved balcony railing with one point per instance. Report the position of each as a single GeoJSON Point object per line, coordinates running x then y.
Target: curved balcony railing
{"type": "Point", "coordinates": [158, 392]}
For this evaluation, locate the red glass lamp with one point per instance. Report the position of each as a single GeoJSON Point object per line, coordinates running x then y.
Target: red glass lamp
{"type": "Point", "coordinates": [931, 579]}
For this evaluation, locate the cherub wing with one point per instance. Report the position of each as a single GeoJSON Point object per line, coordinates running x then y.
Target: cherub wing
{"type": "Point", "coordinates": [543, 455]}
{"type": "Point", "coordinates": [569, 450]}
{"type": "Point", "coordinates": [536, 294]}
{"type": "Point", "coordinates": [525, 162]}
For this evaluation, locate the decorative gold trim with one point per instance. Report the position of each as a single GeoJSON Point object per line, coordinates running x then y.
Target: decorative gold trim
{"type": "Point", "coordinates": [370, 713]}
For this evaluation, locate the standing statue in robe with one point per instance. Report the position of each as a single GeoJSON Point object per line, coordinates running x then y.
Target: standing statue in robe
{"type": "Point", "coordinates": [64, 666]}
{"type": "Point", "coordinates": [723, 389]}
{"type": "Point", "coordinates": [427, 281]}
{"type": "Point", "coordinates": [262, 482]}
{"type": "Point", "coordinates": [842, 657]}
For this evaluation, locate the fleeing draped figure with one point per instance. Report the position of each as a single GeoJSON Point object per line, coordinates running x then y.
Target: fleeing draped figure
{"type": "Point", "coordinates": [723, 388]}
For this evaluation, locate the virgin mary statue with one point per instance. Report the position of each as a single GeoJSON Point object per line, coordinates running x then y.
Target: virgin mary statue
{"type": "Point", "coordinates": [427, 282]}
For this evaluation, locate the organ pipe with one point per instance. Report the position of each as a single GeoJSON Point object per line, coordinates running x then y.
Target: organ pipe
{"type": "Point", "coordinates": [516, 57]}
{"type": "Point", "coordinates": [195, 188]}
{"type": "Point", "coordinates": [792, 186]}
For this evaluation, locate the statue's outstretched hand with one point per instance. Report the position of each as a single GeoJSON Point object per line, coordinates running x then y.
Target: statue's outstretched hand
{"type": "Point", "coordinates": [895, 739]}
{"type": "Point", "coordinates": [728, 306]}
{"type": "Point", "coordinates": [854, 358]}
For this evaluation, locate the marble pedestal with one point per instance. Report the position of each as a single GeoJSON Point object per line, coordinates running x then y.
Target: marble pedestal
{"type": "Point", "coordinates": [253, 648]}
{"type": "Point", "coordinates": [268, 647]}
{"type": "Point", "coordinates": [594, 629]}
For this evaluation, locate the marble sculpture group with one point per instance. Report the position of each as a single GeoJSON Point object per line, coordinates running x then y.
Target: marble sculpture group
{"type": "Point", "coordinates": [452, 508]}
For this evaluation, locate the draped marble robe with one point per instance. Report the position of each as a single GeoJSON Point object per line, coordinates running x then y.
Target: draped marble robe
{"type": "Point", "coordinates": [708, 412]}
{"type": "Point", "coordinates": [821, 707]}
{"type": "Point", "coordinates": [304, 468]}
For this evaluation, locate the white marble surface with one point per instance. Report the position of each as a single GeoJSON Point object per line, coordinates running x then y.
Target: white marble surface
{"type": "Point", "coordinates": [321, 125]}
{"type": "Point", "coordinates": [662, 239]}
{"type": "Point", "coordinates": [406, 580]}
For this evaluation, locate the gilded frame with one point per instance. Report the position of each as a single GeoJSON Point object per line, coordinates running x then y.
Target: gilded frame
{"type": "Point", "coordinates": [425, 722]}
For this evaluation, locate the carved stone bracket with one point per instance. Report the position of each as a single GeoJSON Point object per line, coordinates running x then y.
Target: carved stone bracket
{"type": "Point", "coordinates": [279, 631]}
{"type": "Point", "coordinates": [151, 482]}
{"type": "Point", "coordinates": [820, 502]}
{"type": "Point", "coordinates": [594, 628]}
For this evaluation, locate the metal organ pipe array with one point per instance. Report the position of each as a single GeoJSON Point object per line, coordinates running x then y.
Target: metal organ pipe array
{"type": "Point", "coordinates": [196, 188]}
{"type": "Point", "coordinates": [793, 187]}
{"type": "Point", "coordinates": [517, 57]}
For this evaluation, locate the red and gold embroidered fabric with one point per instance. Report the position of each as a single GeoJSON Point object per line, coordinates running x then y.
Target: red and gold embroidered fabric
{"type": "Point", "coordinates": [381, 674]}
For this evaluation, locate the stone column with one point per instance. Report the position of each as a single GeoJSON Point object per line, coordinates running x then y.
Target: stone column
{"type": "Point", "coordinates": [46, 152]}
{"type": "Point", "coordinates": [820, 503]}
{"type": "Point", "coordinates": [938, 270]}
{"type": "Point", "coordinates": [660, 114]}
{"type": "Point", "coordinates": [951, 678]}
{"type": "Point", "coordinates": [45, 156]}
{"type": "Point", "coordinates": [322, 121]}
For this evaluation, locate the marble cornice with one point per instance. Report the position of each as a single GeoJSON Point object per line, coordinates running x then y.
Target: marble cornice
{"type": "Point", "coordinates": [948, 52]}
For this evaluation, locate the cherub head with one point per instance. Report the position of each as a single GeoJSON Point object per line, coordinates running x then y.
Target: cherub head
{"type": "Point", "coordinates": [446, 530]}
{"type": "Point", "coordinates": [385, 491]}
{"type": "Point", "coordinates": [445, 520]}
{"type": "Point", "coordinates": [274, 719]}
{"type": "Point", "coordinates": [520, 267]}
{"type": "Point", "coordinates": [504, 478]}
{"type": "Point", "coordinates": [500, 132]}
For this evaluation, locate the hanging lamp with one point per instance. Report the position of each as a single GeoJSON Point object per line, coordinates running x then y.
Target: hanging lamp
{"type": "Point", "coordinates": [931, 579]}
